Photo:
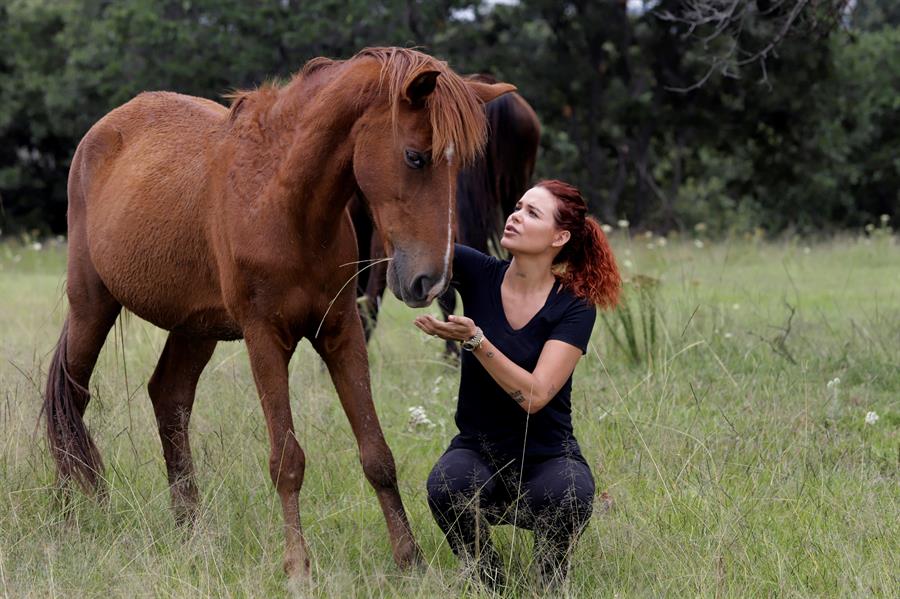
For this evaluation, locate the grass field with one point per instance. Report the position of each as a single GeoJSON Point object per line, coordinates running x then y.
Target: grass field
{"type": "Point", "coordinates": [735, 469]}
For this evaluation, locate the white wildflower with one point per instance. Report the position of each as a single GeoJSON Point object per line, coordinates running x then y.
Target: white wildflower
{"type": "Point", "coordinates": [871, 418]}
{"type": "Point", "coordinates": [628, 264]}
{"type": "Point", "coordinates": [623, 224]}
{"type": "Point", "coordinates": [885, 219]}
{"type": "Point", "coordinates": [651, 246]}
{"type": "Point", "coordinates": [807, 250]}
{"type": "Point", "coordinates": [418, 418]}
{"type": "Point", "coordinates": [606, 228]}
{"type": "Point", "coordinates": [698, 243]}
{"type": "Point", "coordinates": [37, 246]}
{"type": "Point", "coordinates": [735, 306]}
{"type": "Point", "coordinates": [700, 227]}
{"type": "Point", "coordinates": [661, 241]}
{"type": "Point", "coordinates": [728, 335]}
{"type": "Point", "coordinates": [833, 387]}
{"type": "Point", "coordinates": [870, 227]}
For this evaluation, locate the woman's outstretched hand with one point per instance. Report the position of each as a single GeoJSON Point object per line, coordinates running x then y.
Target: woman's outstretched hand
{"type": "Point", "coordinates": [458, 328]}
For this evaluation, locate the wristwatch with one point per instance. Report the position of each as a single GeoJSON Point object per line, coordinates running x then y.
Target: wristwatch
{"type": "Point", "coordinates": [472, 343]}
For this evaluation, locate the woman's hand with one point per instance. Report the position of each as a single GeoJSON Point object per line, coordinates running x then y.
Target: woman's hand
{"type": "Point", "coordinates": [458, 328]}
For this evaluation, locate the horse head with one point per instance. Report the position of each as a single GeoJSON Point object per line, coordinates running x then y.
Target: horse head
{"type": "Point", "coordinates": [408, 150]}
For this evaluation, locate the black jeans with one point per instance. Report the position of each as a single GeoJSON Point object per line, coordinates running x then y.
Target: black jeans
{"type": "Point", "coordinates": [467, 492]}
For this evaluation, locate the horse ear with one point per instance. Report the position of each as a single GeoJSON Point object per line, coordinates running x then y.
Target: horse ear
{"type": "Point", "coordinates": [421, 87]}
{"type": "Point", "coordinates": [489, 91]}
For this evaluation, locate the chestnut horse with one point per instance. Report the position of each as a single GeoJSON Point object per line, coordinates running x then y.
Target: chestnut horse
{"type": "Point", "coordinates": [486, 193]}
{"type": "Point", "coordinates": [222, 224]}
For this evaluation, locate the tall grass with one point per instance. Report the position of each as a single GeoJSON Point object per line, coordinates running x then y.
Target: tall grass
{"type": "Point", "coordinates": [733, 469]}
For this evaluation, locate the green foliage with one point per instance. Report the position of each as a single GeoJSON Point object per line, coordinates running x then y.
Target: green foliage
{"type": "Point", "coordinates": [801, 140]}
{"type": "Point", "coordinates": [632, 326]}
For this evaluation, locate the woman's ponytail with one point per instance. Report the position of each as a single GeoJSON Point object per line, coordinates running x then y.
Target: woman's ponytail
{"type": "Point", "coordinates": [592, 272]}
{"type": "Point", "coordinates": [586, 265]}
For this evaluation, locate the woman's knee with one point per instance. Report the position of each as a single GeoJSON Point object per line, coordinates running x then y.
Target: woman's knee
{"type": "Point", "coordinates": [562, 495]}
{"type": "Point", "coordinates": [457, 479]}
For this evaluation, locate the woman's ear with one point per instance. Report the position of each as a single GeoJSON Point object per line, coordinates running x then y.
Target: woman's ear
{"type": "Point", "coordinates": [561, 238]}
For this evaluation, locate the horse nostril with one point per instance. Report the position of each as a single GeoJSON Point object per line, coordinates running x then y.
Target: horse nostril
{"type": "Point", "coordinates": [421, 286]}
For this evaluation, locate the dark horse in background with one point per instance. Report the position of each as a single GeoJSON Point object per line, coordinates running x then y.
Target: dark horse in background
{"type": "Point", "coordinates": [486, 192]}
{"type": "Point", "coordinates": [221, 224]}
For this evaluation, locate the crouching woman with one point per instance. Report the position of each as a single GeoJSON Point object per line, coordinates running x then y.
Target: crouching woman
{"type": "Point", "coordinates": [527, 323]}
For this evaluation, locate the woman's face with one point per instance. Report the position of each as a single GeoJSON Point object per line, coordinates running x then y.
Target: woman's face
{"type": "Point", "coordinates": [531, 228]}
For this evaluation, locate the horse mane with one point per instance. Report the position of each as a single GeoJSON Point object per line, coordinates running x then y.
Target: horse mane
{"type": "Point", "coordinates": [457, 116]}
{"type": "Point", "coordinates": [458, 124]}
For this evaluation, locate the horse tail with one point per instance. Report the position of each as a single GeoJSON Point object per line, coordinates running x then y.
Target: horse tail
{"type": "Point", "coordinates": [71, 446]}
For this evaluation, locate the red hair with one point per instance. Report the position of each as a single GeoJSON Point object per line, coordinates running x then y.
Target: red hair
{"type": "Point", "coordinates": [586, 263]}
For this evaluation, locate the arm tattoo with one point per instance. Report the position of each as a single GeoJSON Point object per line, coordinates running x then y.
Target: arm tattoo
{"type": "Point", "coordinates": [490, 354]}
{"type": "Point", "coordinates": [517, 395]}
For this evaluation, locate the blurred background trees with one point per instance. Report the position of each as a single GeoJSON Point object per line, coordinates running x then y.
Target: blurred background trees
{"type": "Point", "coordinates": [779, 114]}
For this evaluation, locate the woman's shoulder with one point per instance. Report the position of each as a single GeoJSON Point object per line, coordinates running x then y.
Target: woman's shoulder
{"type": "Point", "coordinates": [468, 260]}
{"type": "Point", "coordinates": [567, 302]}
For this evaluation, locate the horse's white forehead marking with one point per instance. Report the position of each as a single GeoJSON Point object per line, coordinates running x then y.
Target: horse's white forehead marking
{"type": "Point", "coordinates": [450, 152]}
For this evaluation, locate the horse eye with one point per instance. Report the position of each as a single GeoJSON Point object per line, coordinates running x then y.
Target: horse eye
{"type": "Point", "coordinates": [415, 160]}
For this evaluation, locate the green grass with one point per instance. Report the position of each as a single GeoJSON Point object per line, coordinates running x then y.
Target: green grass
{"type": "Point", "coordinates": [734, 471]}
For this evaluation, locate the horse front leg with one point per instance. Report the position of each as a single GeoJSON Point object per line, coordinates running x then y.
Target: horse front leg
{"type": "Point", "coordinates": [269, 357]}
{"type": "Point", "coordinates": [344, 351]}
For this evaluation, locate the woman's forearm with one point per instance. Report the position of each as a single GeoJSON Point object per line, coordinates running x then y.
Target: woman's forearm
{"type": "Point", "coordinates": [524, 387]}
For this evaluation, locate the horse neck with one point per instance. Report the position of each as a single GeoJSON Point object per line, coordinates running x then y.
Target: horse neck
{"type": "Point", "coordinates": [314, 122]}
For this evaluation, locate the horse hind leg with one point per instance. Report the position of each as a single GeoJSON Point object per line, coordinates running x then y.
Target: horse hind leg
{"type": "Point", "coordinates": [172, 388]}
{"type": "Point", "coordinates": [93, 312]}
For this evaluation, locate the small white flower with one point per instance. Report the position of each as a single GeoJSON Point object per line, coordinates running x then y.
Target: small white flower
{"type": "Point", "coordinates": [661, 241]}
{"type": "Point", "coordinates": [418, 418]}
{"type": "Point", "coordinates": [833, 387]}
{"type": "Point", "coordinates": [728, 335]}
{"type": "Point", "coordinates": [37, 246]}
{"type": "Point", "coordinates": [700, 227]}
{"type": "Point", "coordinates": [870, 227]}
{"type": "Point", "coordinates": [623, 223]}
{"type": "Point", "coordinates": [698, 243]}
{"type": "Point", "coordinates": [606, 228]}
{"type": "Point", "coordinates": [628, 264]}
{"type": "Point", "coordinates": [871, 418]}
{"type": "Point", "coordinates": [735, 306]}
{"type": "Point", "coordinates": [651, 246]}
{"type": "Point", "coordinates": [885, 219]}
{"type": "Point", "coordinates": [807, 250]}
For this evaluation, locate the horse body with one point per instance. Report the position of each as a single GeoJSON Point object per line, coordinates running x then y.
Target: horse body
{"type": "Point", "coordinates": [145, 216]}
{"type": "Point", "coordinates": [220, 224]}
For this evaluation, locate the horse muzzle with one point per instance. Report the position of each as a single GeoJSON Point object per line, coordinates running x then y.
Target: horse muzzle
{"type": "Point", "coordinates": [415, 287]}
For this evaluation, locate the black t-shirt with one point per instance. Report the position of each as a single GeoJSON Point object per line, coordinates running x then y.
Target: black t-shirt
{"type": "Point", "coordinates": [489, 420]}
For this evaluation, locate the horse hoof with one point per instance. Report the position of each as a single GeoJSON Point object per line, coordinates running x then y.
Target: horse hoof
{"type": "Point", "coordinates": [297, 568]}
{"type": "Point", "coordinates": [411, 558]}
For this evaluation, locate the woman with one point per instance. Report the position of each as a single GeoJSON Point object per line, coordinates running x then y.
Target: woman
{"type": "Point", "coordinates": [527, 322]}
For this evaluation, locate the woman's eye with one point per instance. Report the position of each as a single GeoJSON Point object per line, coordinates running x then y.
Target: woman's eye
{"type": "Point", "coordinates": [415, 160]}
